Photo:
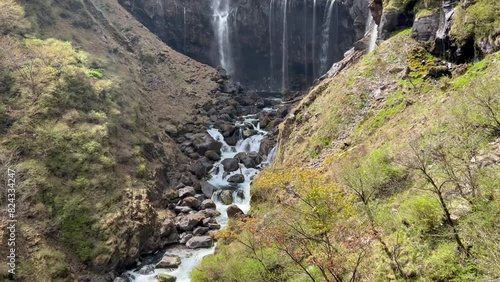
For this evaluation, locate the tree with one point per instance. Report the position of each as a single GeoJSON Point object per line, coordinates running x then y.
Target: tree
{"type": "Point", "coordinates": [11, 17]}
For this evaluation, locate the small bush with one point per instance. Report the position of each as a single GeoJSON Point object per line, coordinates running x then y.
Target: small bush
{"type": "Point", "coordinates": [423, 213]}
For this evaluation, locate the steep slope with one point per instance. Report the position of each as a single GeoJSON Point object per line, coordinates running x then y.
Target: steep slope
{"type": "Point", "coordinates": [88, 124]}
{"type": "Point", "coordinates": [386, 171]}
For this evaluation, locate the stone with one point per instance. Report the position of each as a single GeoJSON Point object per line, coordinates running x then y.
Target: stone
{"type": "Point", "coordinates": [252, 160]}
{"type": "Point", "coordinates": [182, 209]}
{"type": "Point", "coordinates": [147, 269]}
{"type": "Point", "coordinates": [207, 189]}
{"type": "Point", "coordinates": [184, 237]}
{"type": "Point", "coordinates": [191, 202]}
{"type": "Point", "coordinates": [425, 28]}
{"type": "Point", "coordinates": [207, 204]}
{"type": "Point", "coordinates": [214, 226]}
{"type": "Point", "coordinates": [200, 242]}
{"type": "Point", "coordinates": [226, 197]}
{"type": "Point", "coordinates": [249, 133]}
{"type": "Point", "coordinates": [200, 197]}
{"type": "Point", "coordinates": [188, 222]}
{"type": "Point", "coordinates": [169, 261]}
{"type": "Point", "coordinates": [199, 169]}
{"type": "Point", "coordinates": [166, 278]}
{"type": "Point", "coordinates": [203, 142]}
{"type": "Point", "coordinates": [237, 178]}
{"type": "Point", "coordinates": [199, 231]}
{"type": "Point", "coordinates": [187, 191]}
{"type": "Point", "coordinates": [439, 71]}
{"type": "Point", "coordinates": [212, 155]}
{"type": "Point", "coordinates": [230, 164]}
{"type": "Point", "coordinates": [234, 211]}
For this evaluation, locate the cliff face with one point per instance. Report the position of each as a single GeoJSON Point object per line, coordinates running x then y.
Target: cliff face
{"type": "Point", "coordinates": [273, 45]}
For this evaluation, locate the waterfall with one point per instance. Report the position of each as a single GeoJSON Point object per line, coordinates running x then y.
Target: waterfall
{"type": "Point", "coordinates": [326, 37]}
{"type": "Point", "coordinates": [284, 51]}
{"type": "Point", "coordinates": [305, 40]}
{"type": "Point", "coordinates": [221, 11]}
{"type": "Point", "coordinates": [271, 51]}
{"type": "Point", "coordinates": [372, 28]}
{"type": "Point", "coordinates": [314, 39]}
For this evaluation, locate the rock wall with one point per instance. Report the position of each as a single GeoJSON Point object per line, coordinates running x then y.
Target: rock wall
{"type": "Point", "coordinates": [257, 35]}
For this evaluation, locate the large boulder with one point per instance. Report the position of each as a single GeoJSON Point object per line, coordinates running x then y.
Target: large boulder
{"type": "Point", "coordinates": [199, 169]}
{"type": "Point", "coordinates": [191, 202]}
{"type": "Point", "coordinates": [230, 164]}
{"type": "Point", "coordinates": [252, 160]}
{"type": "Point", "coordinates": [200, 242]}
{"type": "Point", "coordinates": [237, 178]}
{"type": "Point", "coordinates": [203, 142]}
{"type": "Point", "coordinates": [168, 232]}
{"type": "Point", "coordinates": [165, 278]}
{"type": "Point", "coordinates": [233, 211]}
{"type": "Point", "coordinates": [207, 204]}
{"type": "Point", "coordinates": [425, 28]}
{"type": "Point", "coordinates": [207, 189]}
{"type": "Point", "coordinates": [187, 191]}
{"type": "Point", "coordinates": [212, 155]}
{"type": "Point", "coordinates": [169, 261]}
{"type": "Point", "coordinates": [188, 222]}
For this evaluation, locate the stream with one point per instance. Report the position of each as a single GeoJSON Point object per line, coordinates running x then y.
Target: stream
{"type": "Point", "coordinates": [191, 258]}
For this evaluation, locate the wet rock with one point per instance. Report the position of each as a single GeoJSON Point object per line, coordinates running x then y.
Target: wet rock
{"type": "Point", "coordinates": [425, 28]}
{"type": "Point", "coordinates": [199, 231]}
{"type": "Point", "coordinates": [240, 194]}
{"type": "Point", "coordinates": [187, 191]}
{"type": "Point", "coordinates": [169, 261]}
{"type": "Point", "coordinates": [165, 278]}
{"type": "Point", "coordinates": [230, 164]}
{"type": "Point", "coordinates": [212, 155]}
{"type": "Point", "coordinates": [207, 204]}
{"type": "Point", "coordinates": [200, 242]}
{"type": "Point", "coordinates": [231, 140]}
{"type": "Point", "coordinates": [200, 197]}
{"type": "Point", "coordinates": [252, 160]}
{"type": "Point", "coordinates": [234, 211]}
{"type": "Point", "coordinates": [186, 180]}
{"type": "Point", "coordinates": [237, 178]}
{"type": "Point", "coordinates": [203, 142]}
{"type": "Point", "coordinates": [207, 189]}
{"type": "Point", "coordinates": [249, 133]}
{"type": "Point", "coordinates": [266, 146]}
{"type": "Point", "coordinates": [226, 197]}
{"type": "Point", "coordinates": [208, 221]}
{"type": "Point", "coordinates": [147, 269]}
{"type": "Point", "coordinates": [191, 202]}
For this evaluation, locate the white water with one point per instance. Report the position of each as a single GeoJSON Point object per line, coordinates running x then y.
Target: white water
{"type": "Point", "coordinates": [190, 259]}
{"type": "Point", "coordinates": [372, 28]}
{"type": "Point", "coordinates": [284, 52]}
{"type": "Point", "coordinates": [184, 27]}
{"type": "Point", "coordinates": [325, 43]}
{"type": "Point", "coordinates": [221, 12]}
{"type": "Point", "coordinates": [271, 41]}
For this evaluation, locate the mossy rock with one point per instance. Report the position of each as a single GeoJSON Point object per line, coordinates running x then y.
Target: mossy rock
{"type": "Point", "coordinates": [166, 278]}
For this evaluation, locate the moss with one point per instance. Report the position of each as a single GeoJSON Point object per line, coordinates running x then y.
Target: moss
{"type": "Point", "coordinates": [477, 22]}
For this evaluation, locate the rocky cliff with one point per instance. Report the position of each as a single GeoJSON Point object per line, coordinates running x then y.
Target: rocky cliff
{"type": "Point", "coordinates": [274, 45]}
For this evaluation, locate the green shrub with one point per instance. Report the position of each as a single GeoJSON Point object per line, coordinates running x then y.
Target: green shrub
{"type": "Point", "coordinates": [423, 213]}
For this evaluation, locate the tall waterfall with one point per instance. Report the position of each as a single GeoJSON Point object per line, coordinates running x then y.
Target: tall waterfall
{"type": "Point", "coordinates": [372, 28]}
{"type": "Point", "coordinates": [184, 28]}
{"type": "Point", "coordinates": [325, 43]}
{"type": "Point", "coordinates": [284, 51]}
{"type": "Point", "coordinates": [271, 45]}
{"type": "Point", "coordinates": [221, 12]}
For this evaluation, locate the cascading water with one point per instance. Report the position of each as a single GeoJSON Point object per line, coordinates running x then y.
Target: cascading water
{"type": "Point", "coordinates": [271, 45]}
{"type": "Point", "coordinates": [221, 12]}
{"type": "Point", "coordinates": [184, 28]}
{"type": "Point", "coordinates": [284, 51]}
{"type": "Point", "coordinates": [372, 28]}
{"type": "Point", "coordinates": [219, 179]}
{"type": "Point", "coordinates": [325, 44]}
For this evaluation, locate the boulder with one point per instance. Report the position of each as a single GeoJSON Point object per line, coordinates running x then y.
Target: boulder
{"type": "Point", "coordinates": [165, 278]}
{"type": "Point", "coordinates": [425, 28]}
{"type": "Point", "coordinates": [200, 242]}
{"type": "Point", "coordinates": [207, 189]}
{"type": "Point", "coordinates": [188, 222]}
{"type": "Point", "coordinates": [191, 202]}
{"type": "Point", "coordinates": [234, 211]}
{"type": "Point", "coordinates": [169, 261]}
{"type": "Point", "coordinates": [237, 178]}
{"type": "Point", "coordinates": [249, 133]}
{"type": "Point", "coordinates": [207, 204]}
{"type": "Point", "coordinates": [230, 164]}
{"type": "Point", "coordinates": [214, 226]}
{"type": "Point", "coordinates": [199, 231]}
{"type": "Point", "coordinates": [203, 142]}
{"type": "Point", "coordinates": [182, 209]}
{"type": "Point", "coordinates": [199, 169]}
{"type": "Point", "coordinates": [168, 232]}
{"type": "Point", "coordinates": [252, 160]}
{"type": "Point", "coordinates": [187, 191]}
{"type": "Point", "coordinates": [147, 269]}
{"type": "Point", "coordinates": [186, 236]}
{"type": "Point", "coordinates": [212, 155]}
{"type": "Point", "coordinates": [226, 197]}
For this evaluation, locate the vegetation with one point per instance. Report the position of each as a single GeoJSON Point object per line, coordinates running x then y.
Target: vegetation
{"type": "Point", "coordinates": [476, 22]}
{"type": "Point", "coordinates": [414, 194]}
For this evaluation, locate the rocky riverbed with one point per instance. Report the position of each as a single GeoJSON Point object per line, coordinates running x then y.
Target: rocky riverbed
{"type": "Point", "coordinates": [215, 186]}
